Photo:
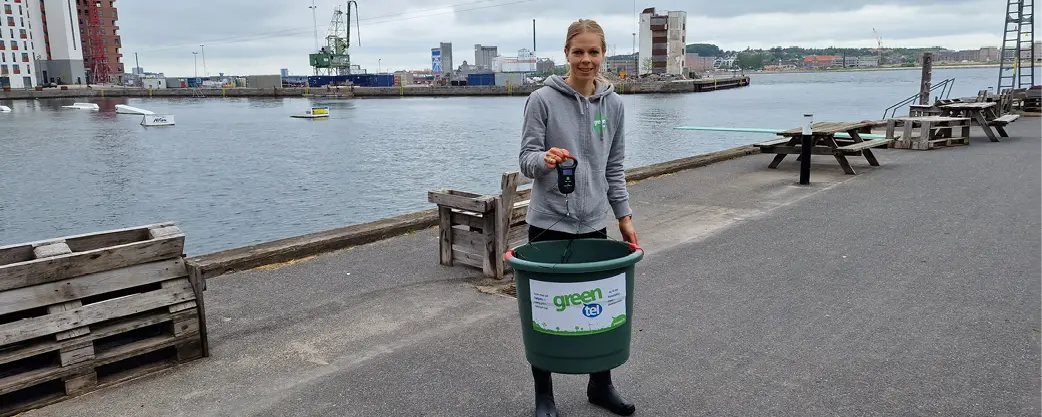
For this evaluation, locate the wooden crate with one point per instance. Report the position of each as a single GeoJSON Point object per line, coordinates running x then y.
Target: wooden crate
{"type": "Point", "coordinates": [474, 229]}
{"type": "Point", "coordinates": [83, 312]}
{"type": "Point", "coordinates": [934, 132]}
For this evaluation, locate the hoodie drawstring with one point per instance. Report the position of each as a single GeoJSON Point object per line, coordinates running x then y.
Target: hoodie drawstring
{"type": "Point", "coordinates": [580, 102]}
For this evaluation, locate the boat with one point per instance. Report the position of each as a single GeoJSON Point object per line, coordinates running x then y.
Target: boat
{"type": "Point", "coordinates": [157, 120]}
{"type": "Point", "coordinates": [83, 106]}
{"type": "Point", "coordinates": [313, 113]}
{"type": "Point", "coordinates": [5, 109]}
{"type": "Point", "coordinates": [125, 109]}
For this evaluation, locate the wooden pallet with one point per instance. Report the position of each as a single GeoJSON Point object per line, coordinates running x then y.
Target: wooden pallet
{"type": "Point", "coordinates": [474, 228]}
{"type": "Point", "coordinates": [84, 312]}
{"type": "Point", "coordinates": [934, 132]}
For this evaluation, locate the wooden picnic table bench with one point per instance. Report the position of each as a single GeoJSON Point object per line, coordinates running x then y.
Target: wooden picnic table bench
{"type": "Point", "coordinates": [934, 131]}
{"type": "Point", "coordinates": [825, 143]}
{"type": "Point", "coordinates": [983, 114]}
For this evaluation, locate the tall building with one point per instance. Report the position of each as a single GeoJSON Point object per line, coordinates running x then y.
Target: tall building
{"type": "Point", "coordinates": [663, 42]}
{"type": "Point", "coordinates": [446, 57]}
{"type": "Point", "coordinates": [109, 38]}
{"type": "Point", "coordinates": [56, 27]}
{"type": "Point", "coordinates": [485, 56]}
{"type": "Point", "coordinates": [17, 48]}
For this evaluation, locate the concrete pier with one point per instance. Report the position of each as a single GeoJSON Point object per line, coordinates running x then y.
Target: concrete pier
{"type": "Point", "coordinates": [644, 87]}
{"type": "Point", "coordinates": [912, 288]}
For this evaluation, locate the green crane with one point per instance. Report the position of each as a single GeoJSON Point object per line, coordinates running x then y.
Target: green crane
{"type": "Point", "coordinates": [335, 57]}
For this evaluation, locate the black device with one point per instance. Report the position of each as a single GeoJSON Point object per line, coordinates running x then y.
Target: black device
{"type": "Point", "coordinates": [566, 175]}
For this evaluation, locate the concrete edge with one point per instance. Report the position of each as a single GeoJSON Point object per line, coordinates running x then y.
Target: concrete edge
{"type": "Point", "coordinates": [284, 250]}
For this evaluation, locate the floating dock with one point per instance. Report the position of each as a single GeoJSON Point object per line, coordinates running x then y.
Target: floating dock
{"type": "Point", "coordinates": [83, 106]}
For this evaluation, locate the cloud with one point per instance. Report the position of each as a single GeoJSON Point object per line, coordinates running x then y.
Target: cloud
{"type": "Point", "coordinates": [263, 36]}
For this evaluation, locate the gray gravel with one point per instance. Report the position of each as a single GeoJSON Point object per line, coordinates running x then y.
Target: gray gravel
{"type": "Point", "coordinates": [910, 289]}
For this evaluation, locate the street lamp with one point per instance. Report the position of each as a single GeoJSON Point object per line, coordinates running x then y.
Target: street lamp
{"type": "Point", "coordinates": [314, 18]}
{"type": "Point", "coordinates": [378, 66]}
{"type": "Point", "coordinates": [206, 74]}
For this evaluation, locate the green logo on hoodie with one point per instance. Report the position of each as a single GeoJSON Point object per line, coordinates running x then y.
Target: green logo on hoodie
{"type": "Point", "coordinates": [600, 123]}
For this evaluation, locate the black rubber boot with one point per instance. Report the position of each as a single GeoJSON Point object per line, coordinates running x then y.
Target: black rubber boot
{"type": "Point", "coordinates": [602, 393]}
{"type": "Point", "coordinates": [544, 394]}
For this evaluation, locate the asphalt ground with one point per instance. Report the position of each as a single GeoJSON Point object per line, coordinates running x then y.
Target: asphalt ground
{"type": "Point", "coordinates": [909, 289]}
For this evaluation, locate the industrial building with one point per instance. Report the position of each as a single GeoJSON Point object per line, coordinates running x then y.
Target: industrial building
{"type": "Point", "coordinates": [17, 49]}
{"type": "Point", "coordinates": [441, 59]}
{"type": "Point", "coordinates": [663, 42]}
{"type": "Point", "coordinates": [57, 29]}
{"type": "Point", "coordinates": [485, 56]}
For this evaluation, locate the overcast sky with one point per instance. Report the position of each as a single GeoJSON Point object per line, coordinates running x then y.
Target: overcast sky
{"type": "Point", "coordinates": [262, 36]}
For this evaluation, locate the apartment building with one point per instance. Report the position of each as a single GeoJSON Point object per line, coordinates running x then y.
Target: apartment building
{"type": "Point", "coordinates": [17, 48]}
{"type": "Point", "coordinates": [56, 29]}
{"type": "Point", "coordinates": [663, 42]}
{"type": "Point", "coordinates": [110, 39]}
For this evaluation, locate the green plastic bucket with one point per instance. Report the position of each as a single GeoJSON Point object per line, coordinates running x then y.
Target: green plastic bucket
{"type": "Point", "coordinates": [577, 308]}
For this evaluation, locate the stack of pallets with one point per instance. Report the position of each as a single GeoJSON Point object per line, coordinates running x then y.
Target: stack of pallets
{"type": "Point", "coordinates": [83, 312]}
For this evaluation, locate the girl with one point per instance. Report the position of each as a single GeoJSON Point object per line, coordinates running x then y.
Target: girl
{"type": "Point", "coordinates": [578, 115]}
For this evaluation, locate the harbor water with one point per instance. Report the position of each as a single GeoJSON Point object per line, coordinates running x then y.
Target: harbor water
{"type": "Point", "coordinates": [234, 172]}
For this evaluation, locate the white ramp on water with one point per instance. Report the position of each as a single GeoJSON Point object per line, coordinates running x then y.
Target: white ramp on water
{"type": "Point", "coordinates": [83, 106]}
{"type": "Point", "coordinates": [157, 120]}
{"type": "Point", "coordinates": [5, 109]}
{"type": "Point", "coordinates": [125, 109]}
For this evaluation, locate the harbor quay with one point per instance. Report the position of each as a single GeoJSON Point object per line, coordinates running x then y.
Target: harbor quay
{"type": "Point", "coordinates": [909, 287]}
{"type": "Point", "coordinates": [622, 87]}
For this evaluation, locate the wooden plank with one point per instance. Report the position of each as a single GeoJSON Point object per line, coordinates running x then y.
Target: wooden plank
{"type": "Point", "coordinates": [94, 313]}
{"type": "Point", "coordinates": [39, 271]}
{"type": "Point", "coordinates": [472, 241]}
{"type": "Point", "coordinates": [788, 150]}
{"type": "Point", "coordinates": [18, 253]}
{"type": "Point", "coordinates": [138, 347]}
{"type": "Point", "coordinates": [27, 379]}
{"type": "Point", "coordinates": [490, 265]}
{"type": "Point", "coordinates": [772, 142]}
{"type": "Point", "coordinates": [865, 145]}
{"type": "Point", "coordinates": [88, 285]}
{"type": "Point", "coordinates": [1009, 118]}
{"type": "Point", "coordinates": [465, 218]}
{"type": "Point", "coordinates": [467, 258]}
{"type": "Point", "coordinates": [460, 200]}
{"type": "Point", "coordinates": [504, 214]}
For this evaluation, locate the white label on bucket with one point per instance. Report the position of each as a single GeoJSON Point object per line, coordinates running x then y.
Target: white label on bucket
{"type": "Point", "coordinates": [578, 308]}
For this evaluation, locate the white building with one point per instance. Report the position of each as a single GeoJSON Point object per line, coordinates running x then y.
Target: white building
{"type": "Point", "coordinates": [59, 49]}
{"type": "Point", "coordinates": [663, 42]}
{"type": "Point", "coordinates": [17, 49]}
{"type": "Point", "coordinates": [525, 61]}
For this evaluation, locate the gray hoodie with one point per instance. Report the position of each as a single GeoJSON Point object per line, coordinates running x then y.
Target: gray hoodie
{"type": "Point", "coordinates": [556, 115]}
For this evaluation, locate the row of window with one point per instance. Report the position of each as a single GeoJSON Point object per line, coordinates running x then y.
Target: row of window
{"type": "Point", "coordinates": [14, 45]}
{"type": "Point", "coordinates": [16, 68]}
{"type": "Point", "coordinates": [14, 57]}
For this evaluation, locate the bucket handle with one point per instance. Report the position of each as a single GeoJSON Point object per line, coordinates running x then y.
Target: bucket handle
{"type": "Point", "coordinates": [633, 248]}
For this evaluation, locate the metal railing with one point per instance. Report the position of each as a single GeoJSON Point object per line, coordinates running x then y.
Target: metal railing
{"type": "Point", "coordinates": [946, 89]}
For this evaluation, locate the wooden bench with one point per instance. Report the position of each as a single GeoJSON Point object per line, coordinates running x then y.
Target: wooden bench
{"type": "Point", "coordinates": [934, 132]}
{"type": "Point", "coordinates": [83, 312]}
{"type": "Point", "coordinates": [860, 146]}
{"type": "Point", "coordinates": [1004, 120]}
{"type": "Point", "coordinates": [475, 229]}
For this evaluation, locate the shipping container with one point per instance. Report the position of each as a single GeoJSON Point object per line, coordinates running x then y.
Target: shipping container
{"type": "Point", "coordinates": [512, 78]}
{"type": "Point", "coordinates": [481, 79]}
{"type": "Point", "coordinates": [384, 80]}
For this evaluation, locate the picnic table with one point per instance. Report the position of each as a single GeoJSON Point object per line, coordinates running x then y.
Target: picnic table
{"type": "Point", "coordinates": [983, 114]}
{"type": "Point", "coordinates": [823, 138]}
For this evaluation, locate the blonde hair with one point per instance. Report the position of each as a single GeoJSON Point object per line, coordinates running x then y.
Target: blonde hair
{"type": "Point", "coordinates": [577, 28]}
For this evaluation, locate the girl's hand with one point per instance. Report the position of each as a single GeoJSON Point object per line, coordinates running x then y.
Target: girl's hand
{"type": "Point", "coordinates": [555, 156]}
{"type": "Point", "coordinates": [629, 233]}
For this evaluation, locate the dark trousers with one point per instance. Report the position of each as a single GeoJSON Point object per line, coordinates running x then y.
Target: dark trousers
{"type": "Point", "coordinates": [535, 234]}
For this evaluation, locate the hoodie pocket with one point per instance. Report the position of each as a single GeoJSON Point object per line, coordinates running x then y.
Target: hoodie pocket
{"type": "Point", "coordinates": [547, 199]}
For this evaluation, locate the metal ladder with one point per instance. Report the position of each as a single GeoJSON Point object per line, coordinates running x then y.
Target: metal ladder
{"type": "Point", "coordinates": [1017, 46]}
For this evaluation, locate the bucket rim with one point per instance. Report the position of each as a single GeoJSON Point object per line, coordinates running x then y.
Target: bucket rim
{"type": "Point", "coordinates": [636, 254]}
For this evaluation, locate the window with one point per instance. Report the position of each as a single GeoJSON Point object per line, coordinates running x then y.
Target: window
{"type": "Point", "coordinates": [10, 21]}
{"type": "Point", "coordinates": [3, 69]}
{"type": "Point", "coordinates": [25, 57]}
{"type": "Point", "coordinates": [7, 9]}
